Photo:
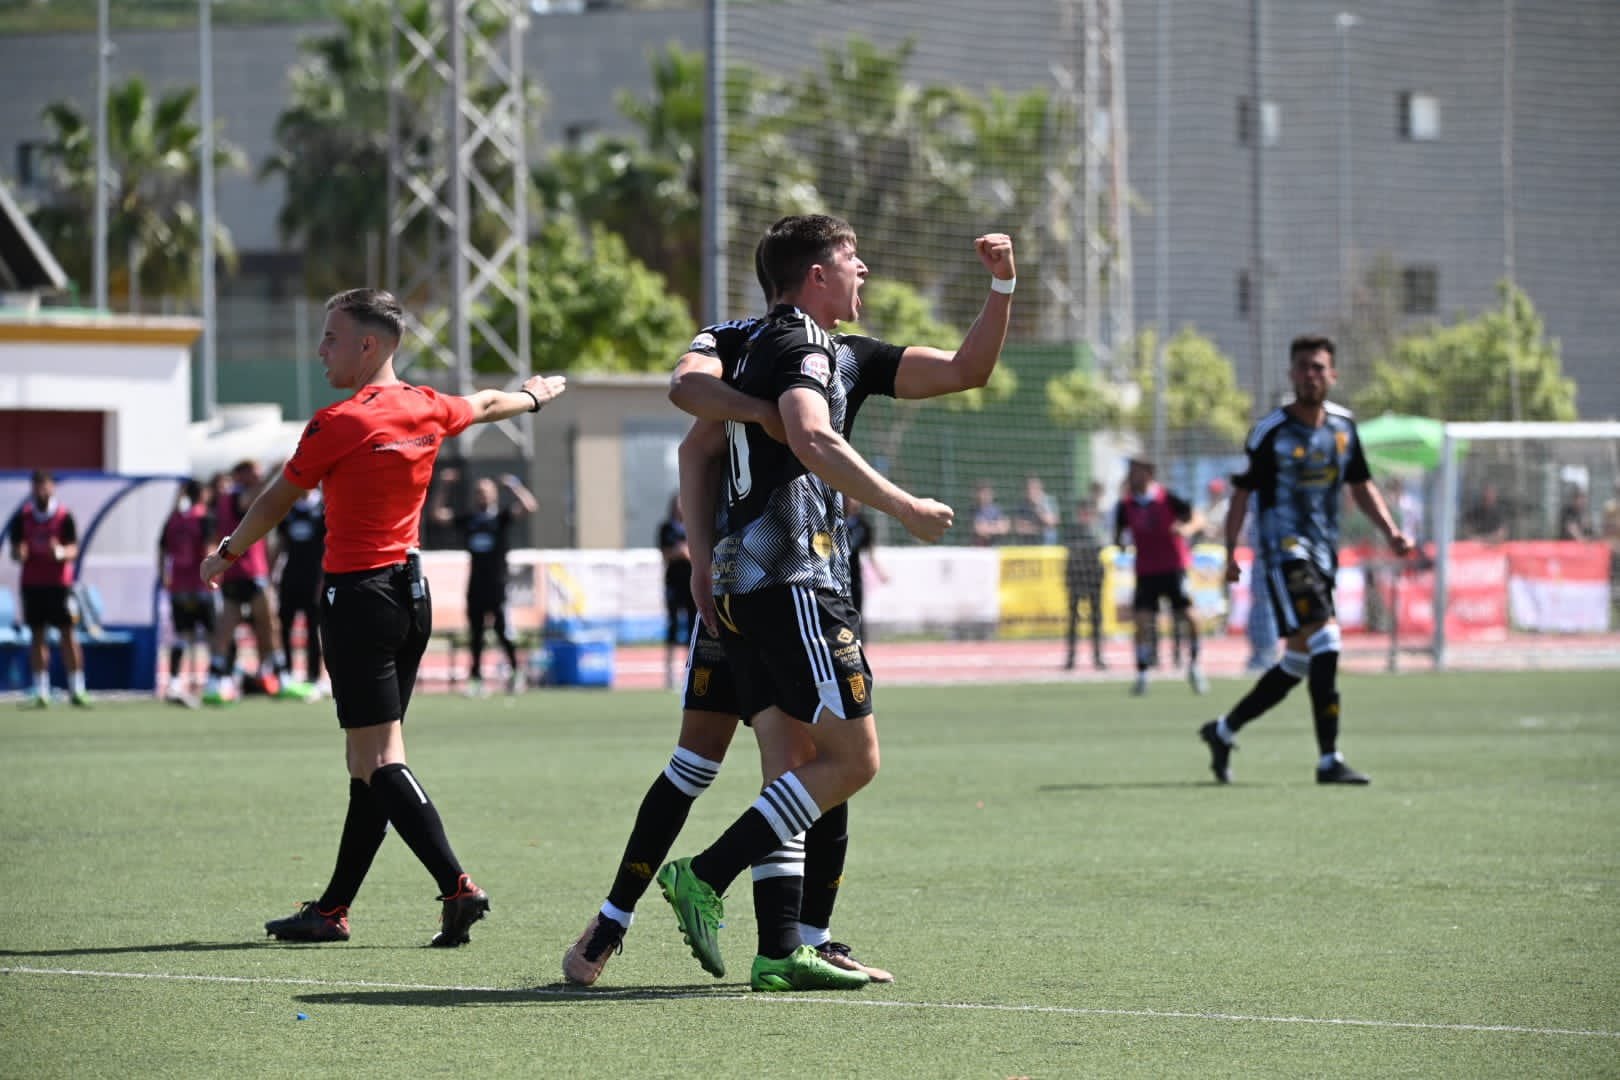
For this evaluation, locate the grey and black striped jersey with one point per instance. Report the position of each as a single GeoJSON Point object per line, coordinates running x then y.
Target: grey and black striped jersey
{"type": "Point", "coordinates": [1296, 474]}
{"type": "Point", "coordinates": [784, 526]}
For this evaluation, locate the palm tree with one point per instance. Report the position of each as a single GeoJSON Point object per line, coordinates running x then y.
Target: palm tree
{"type": "Point", "coordinates": [154, 149]}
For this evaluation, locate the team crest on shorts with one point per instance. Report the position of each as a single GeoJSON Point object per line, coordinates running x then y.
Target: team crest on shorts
{"type": "Point", "coordinates": [857, 688]}
{"type": "Point", "coordinates": [845, 635]}
{"type": "Point", "coordinates": [700, 681]}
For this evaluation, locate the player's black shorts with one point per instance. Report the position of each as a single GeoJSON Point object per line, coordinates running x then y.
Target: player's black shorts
{"type": "Point", "coordinates": [374, 635]}
{"type": "Point", "coordinates": [242, 590]}
{"type": "Point", "coordinates": [709, 683]}
{"type": "Point", "coordinates": [297, 594]}
{"type": "Point", "coordinates": [798, 649]}
{"type": "Point", "coordinates": [49, 605]}
{"type": "Point", "coordinates": [485, 599]}
{"type": "Point", "coordinates": [192, 612]}
{"type": "Point", "coordinates": [1151, 588]}
{"type": "Point", "coordinates": [1301, 594]}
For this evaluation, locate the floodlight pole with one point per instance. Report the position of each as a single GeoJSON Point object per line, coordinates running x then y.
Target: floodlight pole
{"type": "Point", "coordinates": [99, 249]}
{"type": "Point", "coordinates": [210, 357]}
{"type": "Point", "coordinates": [715, 282]}
{"type": "Point", "coordinates": [1161, 236]}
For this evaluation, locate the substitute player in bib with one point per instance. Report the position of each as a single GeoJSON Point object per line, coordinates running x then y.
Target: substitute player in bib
{"type": "Point", "coordinates": [191, 605]}
{"type": "Point", "coordinates": [372, 454]}
{"type": "Point", "coordinates": [245, 588]}
{"type": "Point", "coordinates": [45, 540]}
{"type": "Point", "coordinates": [1300, 457]}
{"type": "Point", "coordinates": [1159, 522]}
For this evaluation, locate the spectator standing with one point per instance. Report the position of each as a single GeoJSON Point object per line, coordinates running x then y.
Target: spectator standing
{"type": "Point", "coordinates": [680, 609]}
{"type": "Point", "coordinates": [1083, 580]}
{"type": "Point", "coordinates": [990, 524]}
{"type": "Point", "coordinates": [1035, 521]}
{"type": "Point", "coordinates": [302, 540]}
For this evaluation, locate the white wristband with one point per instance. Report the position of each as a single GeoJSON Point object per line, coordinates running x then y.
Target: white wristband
{"type": "Point", "coordinates": [1003, 285]}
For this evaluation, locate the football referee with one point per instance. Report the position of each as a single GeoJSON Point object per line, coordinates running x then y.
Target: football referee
{"type": "Point", "coordinates": [372, 454]}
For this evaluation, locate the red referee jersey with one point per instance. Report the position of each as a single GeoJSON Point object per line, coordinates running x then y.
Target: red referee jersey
{"type": "Point", "coordinates": [373, 457]}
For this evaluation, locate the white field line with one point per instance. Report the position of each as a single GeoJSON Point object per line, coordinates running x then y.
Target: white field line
{"type": "Point", "coordinates": [586, 997]}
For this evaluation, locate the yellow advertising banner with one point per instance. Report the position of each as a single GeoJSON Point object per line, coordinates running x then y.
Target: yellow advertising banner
{"type": "Point", "coordinates": [1034, 594]}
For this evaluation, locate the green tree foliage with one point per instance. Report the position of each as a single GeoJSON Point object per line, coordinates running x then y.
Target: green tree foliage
{"type": "Point", "coordinates": [1465, 371]}
{"type": "Point", "coordinates": [592, 306]}
{"type": "Point", "coordinates": [332, 142]}
{"type": "Point", "coordinates": [648, 187]}
{"type": "Point", "coordinates": [154, 146]}
{"type": "Point", "coordinates": [1202, 394]}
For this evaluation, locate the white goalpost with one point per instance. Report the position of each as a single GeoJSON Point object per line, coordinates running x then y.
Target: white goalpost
{"type": "Point", "coordinates": [1554, 474]}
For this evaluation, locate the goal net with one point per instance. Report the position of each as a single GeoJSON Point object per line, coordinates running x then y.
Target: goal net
{"type": "Point", "coordinates": [1525, 547]}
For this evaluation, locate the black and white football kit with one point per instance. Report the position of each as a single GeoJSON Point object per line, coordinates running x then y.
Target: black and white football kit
{"type": "Point", "coordinates": [781, 568]}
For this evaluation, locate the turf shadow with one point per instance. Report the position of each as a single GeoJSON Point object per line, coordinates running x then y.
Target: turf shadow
{"type": "Point", "coordinates": [1134, 785]}
{"type": "Point", "coordinates": [554, 994]}
{"type": "Point", "coordinates": [169, 947]}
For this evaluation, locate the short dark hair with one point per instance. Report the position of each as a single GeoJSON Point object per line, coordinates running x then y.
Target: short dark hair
{"type": "Point", "coordinates": [193, 490]}
{"type": "Point", "coordinates": [375, 308]}
{"type": "Point", "coordinates": [794, 244]}
{"type": "Point", "coordinates": [766, 286]}
{"type": "Point", "coordinates": [42, 476]}
{"type": "Point", "coordinates": [1310, 345]}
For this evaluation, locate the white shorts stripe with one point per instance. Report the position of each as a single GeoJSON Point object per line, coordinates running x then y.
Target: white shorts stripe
{"type": "Point", "coordinates": [815, 643]}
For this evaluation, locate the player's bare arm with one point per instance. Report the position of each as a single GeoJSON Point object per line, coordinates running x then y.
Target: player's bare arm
{"type": "Point", "coordinates": [697, 389]}
{"type": "Point", "coordinates": [701, 458]}
{"type": "Point", "coordinates": [1236, 511]}
{"type": "Point", "coordinates": [272, 504]}
{"type": "Point", "coordinates": [825, 452]}
{"type": "Point", "coordinates": [524, 501]}
{"type": "Point", "coordinates": [926, 372]}
{"type": "Point", "coordinates": [1371, 502]}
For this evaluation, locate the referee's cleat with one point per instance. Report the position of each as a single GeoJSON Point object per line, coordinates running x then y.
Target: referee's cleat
{"type": "Point", "coordinates": [698, 912]}
{"type": "Point", "coordinates": [838, 955]}
{"type": "Point", "coordinates": [585, 958]}
{"type": "Point", "coordinates": [803, 969]}
{"type": "Point", "coordinates": [1340, 773]}
{"type": "Point", "coordinates": [311, 924]}
{"type": "Point", "coordinates": [1220, 753]}
{"type": "Point", "coordinates": [462, 908]}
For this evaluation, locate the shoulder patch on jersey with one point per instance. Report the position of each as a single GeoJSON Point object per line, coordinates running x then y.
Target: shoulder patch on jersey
{"type": "Point", "coordinates": [815, 365]}
{"type": "Point", "coordinates": [703, 341]}
{"type": "Point", "coordinates": [1334, 409]}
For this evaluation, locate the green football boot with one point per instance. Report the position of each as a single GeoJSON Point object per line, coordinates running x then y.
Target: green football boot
{"type": "Point", "coordinates": [803, 969]}
{"type": "Point", "coordinates": [698, 912]}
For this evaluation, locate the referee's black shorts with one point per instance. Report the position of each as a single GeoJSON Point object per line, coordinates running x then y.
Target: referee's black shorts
{"type": "Point", "coordinates": [796, 648]}
{"type": "Point", "coordinates": [374, 636]}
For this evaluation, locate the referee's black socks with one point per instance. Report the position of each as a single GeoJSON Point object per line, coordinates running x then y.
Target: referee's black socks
{"type": "Point", "coordinates": [364, 829]}
{"type": "Point", "coordinates": [411, 812]}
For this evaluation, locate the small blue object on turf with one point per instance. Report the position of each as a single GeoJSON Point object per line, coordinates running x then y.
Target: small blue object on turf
{"type": "Point", "coordinates": [303, 1016]}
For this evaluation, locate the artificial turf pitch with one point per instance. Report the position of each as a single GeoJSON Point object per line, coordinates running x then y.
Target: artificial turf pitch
{"type": "Point", "coordinates": [1049, 870]}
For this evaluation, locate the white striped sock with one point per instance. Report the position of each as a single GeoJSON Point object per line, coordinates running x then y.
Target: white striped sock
{"type": "Point", "coordinates": [690, 773]}
{"type": "Point", "coordinates": [788, 807]}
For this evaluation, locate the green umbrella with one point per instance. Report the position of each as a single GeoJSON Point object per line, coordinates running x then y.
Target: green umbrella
{"type": "Point", "coordinates": [1400, 442]}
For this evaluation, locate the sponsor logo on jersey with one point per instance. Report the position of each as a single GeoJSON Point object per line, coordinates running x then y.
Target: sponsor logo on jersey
{"type": "Point", "coordinates": [857, 688]}
{"type": "Point", "coordinates": [821, 544]}
{"type": "Point", "coordinates": [815, 365]}
{"type": "Point", "coordinates": [700, 681]}
{"type": "Point", "coordinates": [845, 635]}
